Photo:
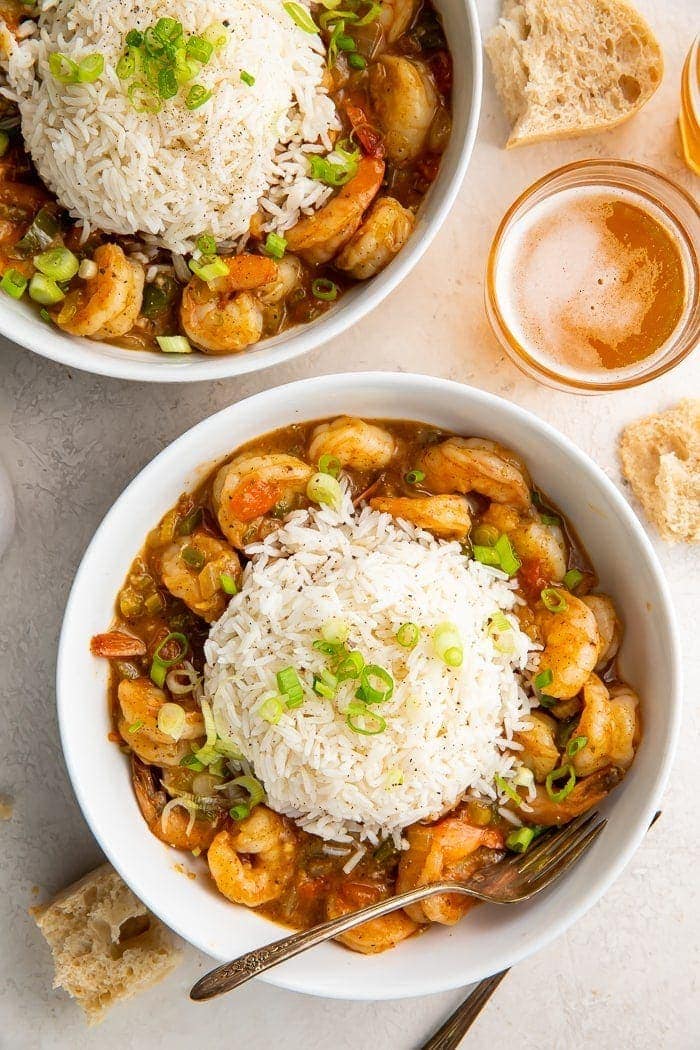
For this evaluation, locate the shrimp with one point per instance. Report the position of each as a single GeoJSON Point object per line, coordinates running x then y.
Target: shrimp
{"type": "Point", "coordinates": [318, 237]}
{"type": "Point", "coordinates": [609, 725]}
{"type": "Point", "coordinates": [199, 585]}
{"type": "Point", "coordinates": [445, 516]}
{"type": "Point", "coordinates": [374, 936]}
{"type": "Point", "coordinates": [451, 849]}
{"type": "Point", "coordinates": [250, 486]}
{"type": "Point", "coordinates": [381, 236]}
{"type": "Point", "coordinates": [140, 702]}
{"type": "Point", "coordinates": [356, 444]}
{"type": "Point", "coordinates": [405, 102]}
{"type": "Point", "coordinates": [475, 465]}
{"type": "Point", "coordinates": [177, 827]}
{"type": "Point", "coordinates": [289, 275]}
{"type": "Point", "coordinates": [609, 627]}
{"type": "Point", "coordinates": [545, 544]}
{"type": "Point", "coordinates": [107, 305]}
{"type": "Point", "coordinates": [222, 316]}
{"type": "Point", "coordinates": [586, 794]}
{"type": "Point", "coordinates": [252, 863]}
{"type": "Point", "coordinates": [540, 752]}
{"type": "Point", "coordinates": [571, 644]}
{"type": "Point", "coordinates": [395, 16]}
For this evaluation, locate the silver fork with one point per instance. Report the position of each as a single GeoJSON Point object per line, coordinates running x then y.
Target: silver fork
{"type": "Point", "coordinates": [509, 881]}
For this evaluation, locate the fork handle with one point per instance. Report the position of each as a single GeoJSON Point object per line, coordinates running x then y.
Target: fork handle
{"type": "Point", "coordinates": [233, 974]}
{"type": "Point", "coordinates": [453, 1031]}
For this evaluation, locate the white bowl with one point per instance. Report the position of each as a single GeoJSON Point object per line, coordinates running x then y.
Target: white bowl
{"type": "Point", "coordinates": [491, 938]}
{"type": "Point", "coordinates": [20, 321]}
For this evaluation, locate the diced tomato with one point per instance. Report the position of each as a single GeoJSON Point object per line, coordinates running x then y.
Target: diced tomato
{"type": "Point", "coordinates": [441, 67]}
{"type": "Point", "coordinates": [531, 577]}
{"type": "Point", "coordinates": [369, 138]}
{"type": "Point", "coordinates": [310, 889]}
{"type": "Point", "coordinates": [359, 893]}
{"type": "Point", "coordinates": [253, 498]}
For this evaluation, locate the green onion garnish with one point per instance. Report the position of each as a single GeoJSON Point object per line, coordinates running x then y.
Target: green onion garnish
{"type": "Point", "coordinates": [325, 289]}
{"type": "Point", "coordinates": [519, 841]}
{"type": "Point", "coordinates": [549, 519]}
{"type": "Point", "coordinates": [576, 744]}
{"type": "Point", "coordinates": [63, 69]}
{"type": "Point", "coordinates": [335, 631]}
{"type": "Point", "coordinates": [187, 525]}
{"type": "Point", "coordinates": [160, 665]}
{"type": "Point", "coordinates": [572, 579]}
{"type": "Point", "coordinates": [485, 535]}
{"type": "Point", "coordinates": [59, 264]}
{"type": "Point", "coordinates": [322, 488]}
{"type": "Point", "coordinates": [329, 465]}
{"type": "Point", "coordinates": [143, 98]}
{"type": "Point", "coordinates": [509, 562]}
{"type": "Point", "coordinates": [240, 811]}
{"type": "Point", "coordinates": [247, 78]}
{"type": "Point", "coordinates": [301, 17]}
{"type": "Point", "coordinates": [356, 61]}
{"type": "Point", "coordinates": [254, 788]}
{"type": "Point", "coordinates": [272, 709]}
{"type": "Point", "coordinates": [197, 96]}
{"type": "Point", "coordinates": [350, 667]}
{"type": "Point", "coordinates": [43, 230]}
{"type": "Point", "coordinates": [209, 268]}
{"type": "Point", "coordinates": [275, 246]}
{"type": "Point", "coordinates": [408, 635]}
{"type": "Point", "coordinates": [44, 290]}
{"type": "Point", "coordinates": [289, 685]}
{"type": "Point", "coordinates": [376, 685]}
{"type": "Point", "coordinates": [199, 49]}
{"type": "Point", "coordinates": [372, 722]}
{"type": "Point", "coordinates": [414, 477]}
{"type": "Point", "coordinates": [553, 600]}
{"type": "Point", "coordinates": [217, 34]}
{"type": "Point", "coordinates": [14, 283]}
{"type": "Point", "coordinates": [206, 244]}
{"type": "Point", "coordinates": [174, 344]}
{"type": "Point", "coordinates": [126, 66]}
{"type": "Point", "coordinates": [507, 789]}
{"type": "Point", "coordinates": [555, 777]}
{"type": "Point", "coordinates": [193, 763]}
{"type": "Point", "coordinates": [500, 631]}
{"type": "Point", "coordinates": [172, 720]}
{"type": "Point", "coordinates": [325, 684]}
{"type": "Point", "coordinates": [193, 557]}
{"type": "Point", "coordinates": [486, 555]}
{"type": "Point", "coordinates": [544, 678]}
{"type": "Point", "coordinates": [228, 584]}
{"type": "Point", "coordinates": [335, 172]}
{"type": "Point", "coordinates": [448, 644]}
{"type": "Point", "coordinates": [134, 38]}
{"type": "Point", "coordinates": [135, 726]}
{"type": "Point", "coordinates": [91, 68]}
{"type": "Point", "coordinates": [168, 86]}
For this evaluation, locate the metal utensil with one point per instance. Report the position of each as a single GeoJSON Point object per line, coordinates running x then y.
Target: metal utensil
{"type": "Point", "coordinates": [450, 1034]}
{"type": "Point", "coordinates": [509, 881]}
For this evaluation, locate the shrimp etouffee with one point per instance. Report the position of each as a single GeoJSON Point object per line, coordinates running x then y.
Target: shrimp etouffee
{"type": "Point", "coordinates": [389, 76]}
{"type": "Point", "coordinates": [195, 790]}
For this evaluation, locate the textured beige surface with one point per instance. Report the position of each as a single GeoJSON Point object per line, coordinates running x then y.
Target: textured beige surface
{"type": "Point", "coordinates": [626, 976]}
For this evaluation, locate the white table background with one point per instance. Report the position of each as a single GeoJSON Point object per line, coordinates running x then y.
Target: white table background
{"type": "Point", "coordinates": [626, 976]}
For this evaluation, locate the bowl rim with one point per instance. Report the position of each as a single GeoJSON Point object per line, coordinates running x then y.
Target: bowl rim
{"type": "Point", "coordinates": [393, 384]}
{"type": "Point", "coordinates": [75, 352]}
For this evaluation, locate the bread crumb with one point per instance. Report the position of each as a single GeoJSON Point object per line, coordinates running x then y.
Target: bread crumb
{"type": "Point", "coordinates": [106, 945]}
{"type": "Point", "coordinates": [660, 457]}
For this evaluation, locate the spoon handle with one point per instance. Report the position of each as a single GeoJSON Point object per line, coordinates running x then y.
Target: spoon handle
{"type": "Point", "coordinates": [452, 1032]}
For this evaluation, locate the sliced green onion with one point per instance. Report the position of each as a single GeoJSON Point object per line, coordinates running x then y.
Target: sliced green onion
{"type": "Point", "coordinates": [486, 555]}
{"type": "Point", "coordinates": [572, 579]}
{"type": "Point", "coordinates": [485, 535]}
{"type": "Point", "coordinates": [59, 264]}
{"type": "Point", "coordinates": [193, 763]}
{"type": "Point", "coordinates": [372, 14]}
{"type": "Point", "coordinates": [576, 744]}
{"type": "Point", "coordinates": [500, 631]}
{"type": "Point", "coordinates": [134, 38]}
{"type": "Point", "coordinates": [45, 315]}
{"type": "Point", "coordinates": [356, 61]}
{"type": "Point", "coordinates": [555, 777]}
{"type": "Point", "coordinates": [289, 685]}
{"type": "Point", "coordinates": [322, 488]}
{"type": "Point", "coordinates": [14, 283]}
{"type": "Point", "coordinates": [519, 841]}
{"type": "Point", "coordinates": [228, 584]}
{"type": "Point", "coordinates": [197, 96]}
{"type": "Point", "coordinates": [323, 288]}
{"type": "Point", "coordinates": [546, 701]}
{"type": "Point", "coordinates": [63, 69]}
{"type": "Point", "coordinates": [172, 720]}
{"type": "Point", "coordinates": [199, 49]}
{"type": "Point", "coordinates": [394, 778]}
{"type": "Point", "coordinates": [553, 600]}
{"type": "Point", "coordinates": [544, 678]}
{"type": "Point", "coordinates": [248, 79]}
{"type": "Point", "coordinates": [192, 556]}
{"type": "Point", "coordinates": [335, 631]}
{"type": "Point", "coordinates": [159, 665]}
{"type": "Point", "coordinates": [187, 525]}
{"type": "Point", "coordinates": [169, 30]}
{"type": "Point", "coordinates": [373, 723]}
{"type": "Point", "coordinates": [550, 519]}
{"type": "Point", "coordinates": [376, 684]}
{"type": "Point", "coordinates": [330, 465]}
{"type": "Point", "coordinates": [168, 86]}
{"type": "Point", "coordinates": [275, 246]}
{"type": "Point", "coordinates": [217, 34]}
{"type": "Point", "coordinates": [327, 648]}
{"type": "Point", "coordinates": [414, 477]}
{"type": "Point", "coordinates": [507, 789]}
{"type": "Point", "coordinates": [240, 811]}
{"type": "Point", "coordinates": [350, 667]}
{"type": "Point", "coordinates": [91, 68]}
{"type": "Point", "coordinates": [41, 233]}
{"type": "Point", "coordinates": [143, 98]}
{"type": "Point", "coordinates": [507, 557]}
{"type": "Point", "coordinates": [448, 644]}
{"type": "Point", "coordinates": [333, 173]}
{"type": "Point", "coordinates": [209, 271]}
{"type": "Point", "coordinates": [272, 709]}
{"type": "Point", "coordinates": [325, 684]}
{"type": "Point", "coordinates": [206, 244]}
{"type": "Point", "coordinates": [45, 291]}
{"type": "Point", "coordinates": [254, 788]}
{"type": "Point", "coordinates": [174, 344]}
{"type": "Point", "coordinates": [408, 635]}
{"type": "Point", "coordinates": [126, 66]}
{"type": "Point", "coordinates": [135, 726]}
{"type": "Point", "coordinates": [301, 17]}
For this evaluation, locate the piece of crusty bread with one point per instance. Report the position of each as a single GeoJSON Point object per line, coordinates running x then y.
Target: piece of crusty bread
{"type": "Point", "coordinates": [661, 459]}
{"type": "Point", "coordinates": [106, 946]}
{"type": "Point", "coordinates": [568, 67]}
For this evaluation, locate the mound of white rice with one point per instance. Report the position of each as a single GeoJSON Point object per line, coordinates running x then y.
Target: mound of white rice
{"type": "Point", "coordinates": [178, 173]}
{"type": "Point", "coordinates": [446, 729]}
